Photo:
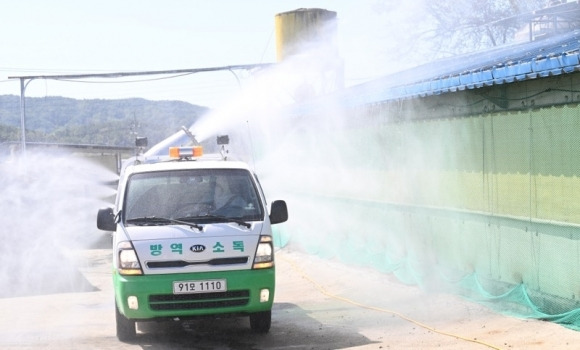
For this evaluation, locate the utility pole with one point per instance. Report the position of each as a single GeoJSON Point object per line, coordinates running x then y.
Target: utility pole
{"type": "Point", "coordinates": [23, 116]}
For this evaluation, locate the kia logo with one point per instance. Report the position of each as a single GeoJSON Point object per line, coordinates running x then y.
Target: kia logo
{"type": "Point", "coordinates": [198, 248]}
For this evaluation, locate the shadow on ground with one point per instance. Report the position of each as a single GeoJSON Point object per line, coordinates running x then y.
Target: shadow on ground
{"type": "Point", "coordinates": [292, 327]}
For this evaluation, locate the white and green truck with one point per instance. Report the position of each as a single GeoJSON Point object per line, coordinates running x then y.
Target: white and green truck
{"type": "Point", "coordinates": [192, 238]}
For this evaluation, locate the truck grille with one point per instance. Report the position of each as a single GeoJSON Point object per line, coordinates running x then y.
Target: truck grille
{"type": "Point", "coordinates": [182, 263]}
{"type": "Point", "coordinates": [199, 301]}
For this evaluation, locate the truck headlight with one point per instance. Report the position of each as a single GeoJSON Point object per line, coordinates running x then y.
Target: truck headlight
{"type": "Point", "coordinates": [128, 261]}
{"type": "Point", "coordinates": [264, 253]}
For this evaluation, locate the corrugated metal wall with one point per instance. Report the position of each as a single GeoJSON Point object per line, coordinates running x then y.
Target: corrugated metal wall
{"type": "Point", "coordinates": [496, 195]}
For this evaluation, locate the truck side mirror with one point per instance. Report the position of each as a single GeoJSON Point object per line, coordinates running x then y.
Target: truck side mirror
{"type": "Point", "coordinates": [106, 220]}
{"type": "Point", "coordinates": [279, 212]}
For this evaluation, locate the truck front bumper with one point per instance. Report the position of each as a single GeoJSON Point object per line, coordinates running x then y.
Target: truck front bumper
{"type": "Point", "coordinates": [151, 296]}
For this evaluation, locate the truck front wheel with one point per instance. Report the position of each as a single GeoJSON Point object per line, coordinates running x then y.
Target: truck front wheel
{"type": "Point", "coordinates": [126, 328]}
{"type": "Point", "coordinates": [260, 322]}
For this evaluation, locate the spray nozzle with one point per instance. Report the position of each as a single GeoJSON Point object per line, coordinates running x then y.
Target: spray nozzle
{"type": "Point", "coordinates": [190, 135]}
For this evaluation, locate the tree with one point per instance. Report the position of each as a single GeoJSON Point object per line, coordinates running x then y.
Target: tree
{"type": "Point", "coordinates": [422, 30]}
{"type": "Point", "coordinates": [471, 25]}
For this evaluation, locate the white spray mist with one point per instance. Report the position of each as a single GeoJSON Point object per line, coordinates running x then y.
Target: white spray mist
{"type": "Point", "coordinates": [322, 158]}
{"type": "Point", "coordinates": [48, 209]}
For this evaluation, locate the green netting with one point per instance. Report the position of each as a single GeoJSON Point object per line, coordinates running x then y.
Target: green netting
{"type": "Point", "coordinates": [517, 301]}
{"type": "Point", "coordinates": [487, 206]}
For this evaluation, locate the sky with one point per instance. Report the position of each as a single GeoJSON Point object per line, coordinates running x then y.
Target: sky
{"type": "Point", "coordinates": [82, 37]}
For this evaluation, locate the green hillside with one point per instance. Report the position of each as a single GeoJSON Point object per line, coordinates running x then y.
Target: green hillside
{"type": "Point", "coordinates": [99, 122]}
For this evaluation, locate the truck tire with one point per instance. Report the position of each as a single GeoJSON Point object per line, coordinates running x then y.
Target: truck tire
{"type": "Point", "coordinates": [126, 328]}
{"type": "Point", "coordinates": [260, 322]}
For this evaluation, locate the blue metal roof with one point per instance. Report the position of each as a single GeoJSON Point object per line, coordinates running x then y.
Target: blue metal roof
{"type": "Point", "coordinates": [502, 65]}
{"type": "Point", "coordinates": [550, 54]}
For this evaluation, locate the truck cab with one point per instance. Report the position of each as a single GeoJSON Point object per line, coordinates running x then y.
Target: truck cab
{"type": "Point", "coordinates": [192, 237]}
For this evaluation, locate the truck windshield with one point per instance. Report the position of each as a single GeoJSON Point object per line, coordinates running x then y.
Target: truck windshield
{"type": "Point", "coordinates": [197, 194]}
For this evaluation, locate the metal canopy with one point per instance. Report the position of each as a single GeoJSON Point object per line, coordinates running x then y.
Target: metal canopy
{"type": "Point", "coordinates": [25, 80]}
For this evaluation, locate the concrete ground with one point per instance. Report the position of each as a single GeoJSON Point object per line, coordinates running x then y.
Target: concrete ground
{"type": "Point", "coordinates": [319, 304]}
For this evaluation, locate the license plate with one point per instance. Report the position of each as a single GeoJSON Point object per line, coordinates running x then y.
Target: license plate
{"type": "Point", "coordinates": [207, 286]}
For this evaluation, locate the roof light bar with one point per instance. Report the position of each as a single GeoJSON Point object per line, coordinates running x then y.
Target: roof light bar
{"type": "Point", "coordinates": [186, 152]}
